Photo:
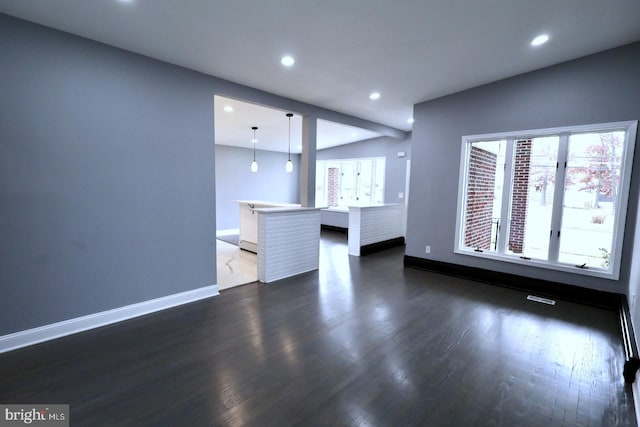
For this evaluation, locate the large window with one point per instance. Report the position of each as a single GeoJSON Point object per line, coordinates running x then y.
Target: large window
{"type": "Point", "coordinates": [553, 198]}
{"type": "Point", "coordinates": [350, 182]}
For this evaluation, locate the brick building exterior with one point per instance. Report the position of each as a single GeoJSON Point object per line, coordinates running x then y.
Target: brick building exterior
{"type": "Point", "coordinates": [480, 194]}
{"type": "Point", "coordinates": [333, 187]}
{"type": "Point", "coordinates": [519, 198]}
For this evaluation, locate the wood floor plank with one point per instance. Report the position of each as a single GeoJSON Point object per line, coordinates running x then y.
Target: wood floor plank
{"type": "Point", "coordinates": [363, 341]}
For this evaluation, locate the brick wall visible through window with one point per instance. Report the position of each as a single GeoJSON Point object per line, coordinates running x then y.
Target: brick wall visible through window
{"type": "Point", "coordinates": [333, 186]}
{"type": "Point", "coordinates": [480, 191]}
{"type": "Point", "coordinates": [522, 167]}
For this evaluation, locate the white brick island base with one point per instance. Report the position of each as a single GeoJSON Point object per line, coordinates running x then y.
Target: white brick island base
{"type": "Point", "coordinates": [375, 225]}
{"type": "Point", "coordinates": [288, 242]}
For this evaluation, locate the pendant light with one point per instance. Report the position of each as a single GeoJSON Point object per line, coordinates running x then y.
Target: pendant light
{"type": "Point", "coordinates": [254, 164]}
{"type": "Point", "coordinates": [289, 165]}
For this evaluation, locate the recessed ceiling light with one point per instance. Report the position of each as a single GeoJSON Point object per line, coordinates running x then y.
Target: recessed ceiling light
{"type": "Point", "coordinates": [374, 95]}
{"type": "Point", "coordinates": [228, 108]}
{"type": "Point", "coordinates": [540, 40]}
{"type": "Point", "coordinates": [410, 121]}
{"type": "Point", "coordinates": [287, 61]}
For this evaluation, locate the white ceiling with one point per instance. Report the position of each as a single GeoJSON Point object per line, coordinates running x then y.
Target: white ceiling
{"type": "Point", "coordinates": [234, 128]}
{"type": "Point", "coordinates": [408, 50]}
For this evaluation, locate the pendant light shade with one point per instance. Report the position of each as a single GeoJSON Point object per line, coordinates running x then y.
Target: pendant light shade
{"type": "Point", "coordinates": [289, 166]}
{"type": "Point", "coordinates": [254, 164]}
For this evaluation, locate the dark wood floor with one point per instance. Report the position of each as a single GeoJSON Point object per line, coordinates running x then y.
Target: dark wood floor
{"type": "Point", "coordinates": [362, 342]}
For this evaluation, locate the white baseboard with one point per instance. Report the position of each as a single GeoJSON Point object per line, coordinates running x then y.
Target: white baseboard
{"type": "Point", "coordinates": [67, 327]}
{"type": "Point", "coordinates": [229, 232]}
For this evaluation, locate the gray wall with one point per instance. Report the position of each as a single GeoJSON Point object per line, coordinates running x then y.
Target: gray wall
{"type": "Point", "coordinates": [235, 181]}
{"type": "Point", "coordinates": [107, 175]}
{"type": "Point", "coordinates": [106, 178]}
{"type": "Point", "coordinates": [395, 168]}
{"type": "Point", "coordinates": [595, 89]}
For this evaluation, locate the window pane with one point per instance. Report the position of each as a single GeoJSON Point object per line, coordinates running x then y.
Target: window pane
{"type": "Point", "coordinates": [590, 198]}
{"type": "Point", "coordinates": [364, 183]}
{"type": "Point", "coordinates": [321, 183]}
{"type": "Point", "coordinates": [486, 160]}
{"type": "Point", "coordinates": [533, 185]}
{"type": "Point", "coordinates": [333, 186]}
{"type": "Point", "coordinates": [350, 182]}
{"type": "Point", "coordinates": [378, 187]}
{"type": "Point", "coordinates": [347, 184]}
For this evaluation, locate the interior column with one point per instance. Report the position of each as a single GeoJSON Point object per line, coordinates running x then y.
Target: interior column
{"type": "Point", "coordinates": [308, 162]}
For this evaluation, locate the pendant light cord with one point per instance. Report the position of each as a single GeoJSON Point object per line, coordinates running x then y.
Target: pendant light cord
{"type": "Point", "coordinates": [254, 142]}
{"type": "Point", "coordinates": [289, 115]}
{"type": "Point", "coordinates": [254, 164]}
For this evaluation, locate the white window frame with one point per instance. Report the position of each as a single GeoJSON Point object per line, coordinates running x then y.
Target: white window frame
{"type": "Point", "coordinates": [626, 163]}
{"type": "Point", "coordinates": [378, 166]}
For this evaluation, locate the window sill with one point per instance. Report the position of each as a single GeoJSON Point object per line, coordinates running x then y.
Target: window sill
{"type": "Point", "coordinates": [594, 272]}
{"type": "Point", "coordinates": [336, 209]}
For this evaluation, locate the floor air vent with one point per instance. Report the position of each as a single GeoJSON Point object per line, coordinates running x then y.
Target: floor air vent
{"type": "Point", "coordinates": [541, 300]}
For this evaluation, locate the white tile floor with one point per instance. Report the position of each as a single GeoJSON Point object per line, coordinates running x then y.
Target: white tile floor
{"type": "Point", "coordinates": [235, 266]}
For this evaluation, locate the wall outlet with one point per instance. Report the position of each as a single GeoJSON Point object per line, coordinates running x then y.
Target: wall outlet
{"type": "Point", "coordinates": [427, 249]}
{"type": "Point", "coordinates": [400, 195]}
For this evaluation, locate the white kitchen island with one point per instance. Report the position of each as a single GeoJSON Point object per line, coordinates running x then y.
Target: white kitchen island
{"type": "Point", "coordinates": [248, 239]}
{"type": "Point", "coordinates": [288, 242]}
{"type": "Point", "coordinates": [286, 237]}
{"type": "Point", "coordinates": [373, 228]}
